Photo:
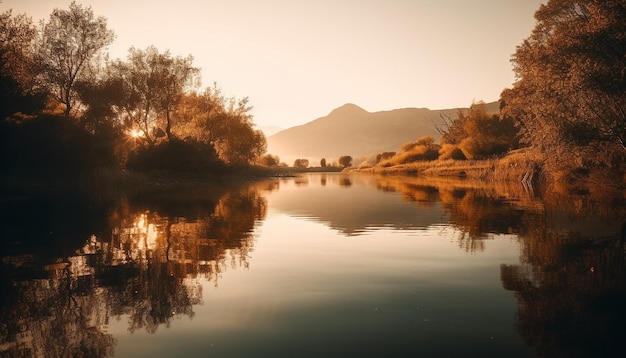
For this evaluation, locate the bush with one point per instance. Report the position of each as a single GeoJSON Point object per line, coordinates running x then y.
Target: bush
{"type": "Point", "coordinates": [51, 150]}
{"type": "Point", "coordinates": [469, 147]}
{"type": "Point", "coordinates": [451, 151]}
{"type": "Point", "coordinates": [269, 160]}
{"type": "Point", "coordinates": [384, 156]}
{"type": "Point", "coordinates": [176, 155]}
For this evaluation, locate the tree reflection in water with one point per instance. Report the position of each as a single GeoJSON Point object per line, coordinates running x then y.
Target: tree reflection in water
{"type": "Point", "coordinates": [474, 212]}
{"type": "Point", "coordinates": [150, 263]}
{"type": "Point", "coordinates": [571, 286]}
{"type": "Point", "coordinates": [148, 267]}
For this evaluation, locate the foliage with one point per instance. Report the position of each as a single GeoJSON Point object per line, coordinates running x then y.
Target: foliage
{"type": "Point", "coordinates": [115, 114]}
{"type": "Point", "coordinates": [451, 129]}
{"type": "Point", "coordinates": [570, 95]}
{"type": "Point", "coordinates": [301, 163]}
{"type": "Point", "coordinates": [384, 155]}
{"type": "Point", "coordinates": [46, 150]}
{"type": "Point", "coordinates": [269, 160]}
{"type": "Point", "coordinates": [480, 135]}
{"type": "Point", "coordinates": [101, 97]}
{"type": "Point", "coordinates": [70, 41]}
{"type": "Point", "coordinates": [323, 163]}
{"type": "Point", "coordinates": [345, 161]}
{"type": "Point", "coordinates": [176, 155]}
{"type": "Point", "coordinates": [18, 84]}
{"type": "Point", "coordinates": [153, 84]}
{"type": "Point", "coordinates": [423, 148]}
{"type": "Point", "coordinates": [225, 123]}
{"type": "Point", "coordinates": [451, 151]}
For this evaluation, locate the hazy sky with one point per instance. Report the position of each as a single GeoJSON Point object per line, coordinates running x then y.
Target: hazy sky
{"type": "Point", "coordinates": [298, 60]}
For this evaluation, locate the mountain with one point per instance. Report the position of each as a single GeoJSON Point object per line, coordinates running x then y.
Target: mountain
{"type": "Point", "coordinates": [269, 130]}
{"type": "Point", "coordinates": [351, 130]}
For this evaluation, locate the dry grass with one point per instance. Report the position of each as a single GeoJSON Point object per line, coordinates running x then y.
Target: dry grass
{"type": "Point", "coordinates": [521, 171]}
{"type": "Point", "coordinates": [513, 167]}
{"type": "Point", "coordinates": [414, 154]}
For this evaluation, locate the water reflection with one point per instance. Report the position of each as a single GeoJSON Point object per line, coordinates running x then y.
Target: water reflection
{"type": "Point", "coordinates": [147, 267]}
{"type": "Point", "coordinates": [146, 260]}
{"type": "Point", "coordinates": [571, 283]}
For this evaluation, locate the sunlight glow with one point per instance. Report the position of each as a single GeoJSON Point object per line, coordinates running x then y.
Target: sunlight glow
{"type": "Point", "coordinates": [147, 231]}
{"type": "Point", "coordinates": [136, 133]}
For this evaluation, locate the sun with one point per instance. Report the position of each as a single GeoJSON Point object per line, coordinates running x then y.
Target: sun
{"type": "Point", "coordinates": [136, 133]}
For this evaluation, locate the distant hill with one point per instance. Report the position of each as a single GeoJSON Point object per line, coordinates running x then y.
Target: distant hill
{"type": "Point", "coordinates": [269, 130]}
{"type": "Point", "coordinates": [351, 130]}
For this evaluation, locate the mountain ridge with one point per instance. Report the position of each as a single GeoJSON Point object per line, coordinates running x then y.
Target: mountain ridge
{"type": "Point", "coordinates": [351, 130]}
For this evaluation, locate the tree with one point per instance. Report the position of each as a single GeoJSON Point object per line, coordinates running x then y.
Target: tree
{"type": "Point", "coordinates": [478, 134]}
{"type": "Point", "coordinates": [153, 84]}
{"type": "Point", "coordinates": [70, 41]}
{"type": "Point", "coordinates": [323, 163]}
{"type": "Point", "coordinates": [383, 156]}
{"type": "Point", "coordinates": [270, 160]}
{"type": "Point", "coordinates": [18, 83]}
{"type": "Point", "coordinates": [101, 98]}
{"type": "Point", "coordinates": [301, 163]}
{"type": "Point", "coordinates": [345, 161]}
{"type": "Point", "coordinates": [486, 135]}
{"type": "Point", "coordinates": [570, 94]}
{"type": "Point", "coordinates": [451, 129]}
{"type": "Point", "coordinates": [225, 123]}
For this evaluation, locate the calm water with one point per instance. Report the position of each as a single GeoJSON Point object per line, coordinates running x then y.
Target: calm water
{"type": "Point", "coordinates": [320, 265]}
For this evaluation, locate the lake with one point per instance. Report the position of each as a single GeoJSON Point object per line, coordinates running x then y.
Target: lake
{"type": "Point", "coordinates": [333, 265]}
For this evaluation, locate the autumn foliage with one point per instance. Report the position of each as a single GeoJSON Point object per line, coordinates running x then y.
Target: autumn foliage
{"type": "Point", "coordinates": [569, 99]}
{"type": "Point", "coordinates": [145, 112]}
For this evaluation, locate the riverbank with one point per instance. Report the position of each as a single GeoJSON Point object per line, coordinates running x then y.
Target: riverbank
{"type": "Point", "coordinates": [520, 167]}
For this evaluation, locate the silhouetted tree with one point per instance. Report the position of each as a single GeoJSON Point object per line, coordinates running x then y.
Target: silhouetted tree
{"type": "Point", "coordinates": [270, 160]}
{"type": "Point", "coordinates": [20, 91]}
{"type": "Point", "coordinates": [153, 84]}
{"type": "Point", "coordinates": [301, 163]}
{"type": "Point", "coordinates": [345, 161]}
{"type": "Point", "coordinates": [70, 41]}
{"type": "Point", "coordinates": [323, 163]}
{"type": "Point", "coordinates": [177, 155]}
{"type": "Point", "coordinates": [50, 150]}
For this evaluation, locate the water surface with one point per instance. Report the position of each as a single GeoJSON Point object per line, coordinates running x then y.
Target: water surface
{"type": "Point", "coordinates": [321, 265]}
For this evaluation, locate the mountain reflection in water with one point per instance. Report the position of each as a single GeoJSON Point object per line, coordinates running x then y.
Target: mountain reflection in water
{"type": "Point", "coordinates": [151, 259]}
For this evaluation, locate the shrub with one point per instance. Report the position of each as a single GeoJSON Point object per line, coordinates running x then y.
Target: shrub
{"type": "Point", "coordinates": [451, 151]}
{"type": "Point", "coordinates": [426, 141]}
{"type": "Point", "coordinates": [408, 146]}
{"type": "Point", "coordinates": [50, 149]}
{"type": "Point", "coordinates": [176, 155]}
{"type": "Point", "coordinates": [269, 160]}
{"type": "Point", "coordinates": [469, 147]}
{"type": "Point", "coordinates": [384, 156]}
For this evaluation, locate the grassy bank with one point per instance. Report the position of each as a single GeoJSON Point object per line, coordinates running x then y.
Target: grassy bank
{"type": "Point", "coordinates": [520, 167]}
{"type": "Point", "coordinates": [514, 167]}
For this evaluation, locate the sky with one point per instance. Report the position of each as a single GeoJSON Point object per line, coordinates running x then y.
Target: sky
{"type": "Point", "coordinates": [297, 60]}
